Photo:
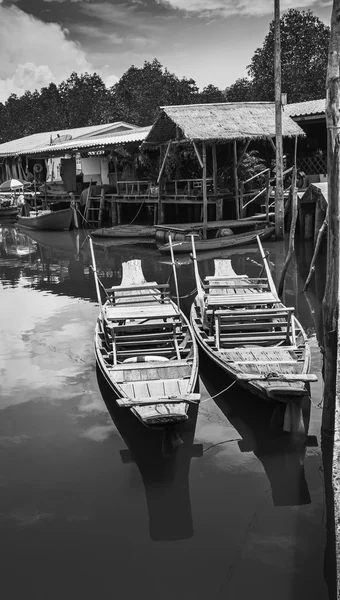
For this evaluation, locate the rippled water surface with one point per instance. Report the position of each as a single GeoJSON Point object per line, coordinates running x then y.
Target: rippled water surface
{"type": "Point", "coordinates": [93, 505]}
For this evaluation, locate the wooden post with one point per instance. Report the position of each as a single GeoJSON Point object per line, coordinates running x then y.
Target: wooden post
{"type": "Point", "coordinates": [205, 198]}
{"type": "Point", "coordinates": [330, 304]}
{"type": "Point", "coordinates": [268, 188]}
{"type": "Point", "coordinates": [218, 201]}
{"type": "Point", "coordinates": [279, 199]}
{"type": "Point", "coordinates": [236, 182]}
{"type": "Point", "coordinates": [214, 162]}
{"type": "Point", "coordinates": [291, 247]}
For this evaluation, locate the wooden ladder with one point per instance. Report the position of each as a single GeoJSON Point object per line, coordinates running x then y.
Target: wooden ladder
{"type": "Point", "coordinates": [94, 209]}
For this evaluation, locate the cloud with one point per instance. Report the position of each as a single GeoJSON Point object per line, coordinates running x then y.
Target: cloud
{"type": "Point", "coordinates": [34, 53]}
{"type": "Point", "coordinates": [229, 8]}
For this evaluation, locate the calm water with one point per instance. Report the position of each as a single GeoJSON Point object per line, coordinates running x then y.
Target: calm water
{"type": "Point", "coordinates": [94, 505]}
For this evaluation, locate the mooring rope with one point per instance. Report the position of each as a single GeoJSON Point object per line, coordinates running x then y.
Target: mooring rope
{"type": "Point", "coordinates": [218, 393]}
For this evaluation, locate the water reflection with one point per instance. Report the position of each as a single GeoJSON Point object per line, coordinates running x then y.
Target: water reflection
{"type": "Point", "coordinates": [260, 426]}
{"type": "Point", "coordinates": [163, 458]}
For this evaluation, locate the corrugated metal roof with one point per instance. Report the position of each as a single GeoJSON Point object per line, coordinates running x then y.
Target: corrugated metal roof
{"type": "Point", "coordinates": [117, 139]}
{"type": "Point", "coordinates": [32, 143]}
{"type": "Point", "coordinates": [220, 122]}
{"type": "Point", "coordinates": [310, 107]}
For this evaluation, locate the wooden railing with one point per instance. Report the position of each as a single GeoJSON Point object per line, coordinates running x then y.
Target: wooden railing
{"type": "Point", "coordinates": [187, 187]}
{"type": "Point", "coordinates": [133, 188]}
{"type": "Point", "coordinates": [267, 191]}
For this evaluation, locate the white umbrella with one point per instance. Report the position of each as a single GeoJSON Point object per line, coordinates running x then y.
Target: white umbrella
{"type": "Point", "coordinates": [12, 184]}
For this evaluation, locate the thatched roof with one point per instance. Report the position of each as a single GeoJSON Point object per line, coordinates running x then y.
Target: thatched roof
{"type": "Point", "coordinates": [219, 122]}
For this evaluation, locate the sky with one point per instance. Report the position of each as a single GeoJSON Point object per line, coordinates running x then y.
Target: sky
{"type": "Point", "coordinates": [211, 41]}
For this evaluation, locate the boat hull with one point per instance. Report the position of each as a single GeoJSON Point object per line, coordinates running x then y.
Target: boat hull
{"type": "Point", "coordinates": [270, 394]}
{"type": "Point", "coordinates": [164, 413]}
{"type": "Point", "coordinates": [9, 212]}
{"type": "Point", "coordinates": [125, 231]}
{"type": "Point", "coordinates": [231, 241]}
{"type": "Point", "coordinates": [59, 220]}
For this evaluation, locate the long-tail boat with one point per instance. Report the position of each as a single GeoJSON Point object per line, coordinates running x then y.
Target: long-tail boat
{"type": "Point", "coordinates": [145, 348]}
{"type": "Point", "coordinates": [242, 325]}
{"type": "Point", "coordinates": [218, 243]}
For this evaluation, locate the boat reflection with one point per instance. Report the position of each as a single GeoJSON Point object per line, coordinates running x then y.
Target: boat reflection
{"type": "Point", "coordinates": [163, 458]}
{"type": "Point", "coordinates": [260, 426]}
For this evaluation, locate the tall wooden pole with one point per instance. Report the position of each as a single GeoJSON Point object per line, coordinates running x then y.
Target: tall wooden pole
{"type": "Point", "coordinates": [205, 197]}
{"type": "Point", "coordinates": [279, 200]}
{"type": "Point", "coordinates": [237, 202]}
{"type": "Point", "coordinates": [330, 304]}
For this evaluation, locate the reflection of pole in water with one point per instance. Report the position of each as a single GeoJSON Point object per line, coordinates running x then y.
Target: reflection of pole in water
{"type": "Point", "coordinates": [163, 458]}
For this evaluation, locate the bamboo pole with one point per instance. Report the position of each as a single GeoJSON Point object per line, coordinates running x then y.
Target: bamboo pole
{"type": "Point", "coordinates": [291, 246]}
{"type": "Point", "coordinates": [174, 269]}
{"type": "Point", "coordinates": [205, 198]}
{"type": "Point", "coordinates": [321, 233]}
{"type": "Point", "coordinates": [330, 304]}
{"type": "Point", "coordinates": [236, 182]}
{"type": "Point", "coordinates": [279, 199]}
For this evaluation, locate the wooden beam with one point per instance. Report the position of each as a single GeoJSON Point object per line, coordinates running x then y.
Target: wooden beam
{"type": "Point", "coordinates": [236, 182]}
{"type": "Point", "coordinates": [164, 161]}
{"type": "Point", "coordinates": [198, 154]}
{"type": "Point", "coordinates": [243, 153]}
{"type": "Point", "coordinates": [205, 196]}
{"type": "Point", "coordinates": [279, 198]}
{"type": "Point", "coordinates": [272, 144]}
{"type": "Point", "coordinates": [291, 247]}
{"type": "Point", "coordinates": [214, 162]}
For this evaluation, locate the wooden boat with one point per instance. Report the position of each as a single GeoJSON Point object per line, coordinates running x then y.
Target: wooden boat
{"type": "Point", "coordinates": [242, 325]}
{"type": "Point", "coordinates": [59, 220]}
{"type": "Point", "coordinates": [146, 349]}
{"type": "Point", "coordinates": [126, 231]}
{"type": "Point", "coordinates": [230, 241]}
{"type": "Point", "coordinates": [8, 212]}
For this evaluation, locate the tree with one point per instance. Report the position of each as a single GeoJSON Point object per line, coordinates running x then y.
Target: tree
{"type": "Point", "coordinates": [304, 51]}
{"type": "Point", "coordinates": [139, 92]}
{"type": "Point", "coordinates": [211, 94]}
{"type": "Point", "coordinates": [85, 99]}
{"type": "Point", "coordinates": [240, 91]}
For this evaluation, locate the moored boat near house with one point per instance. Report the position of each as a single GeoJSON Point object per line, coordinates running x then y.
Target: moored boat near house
{"type": "Point", "coordinates": [242, 325]}
{"type": "Point", "coordinates": [146, 349]}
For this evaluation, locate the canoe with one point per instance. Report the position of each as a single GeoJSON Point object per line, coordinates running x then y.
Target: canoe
{"type": "Point", "coordinates": [145, 348]}
{"type": "Point", "coordinates": [125, 231]}
{"type": "Point", "coordinates": [59, 220]}
{"type": "Point", "coordinates": [242, 325]}
{"type": "Point", "coordinates": [230, 241]}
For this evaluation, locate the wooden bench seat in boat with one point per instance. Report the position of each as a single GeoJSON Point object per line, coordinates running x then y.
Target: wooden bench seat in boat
{"type": "Point", "coordinates": [241, 299]}
{"type": "Point", "coordinates": [121, 313]}
{"type": "Point", "coordinates": [254, 326]}
{"type": "Point", "coordinates": [138, 294]}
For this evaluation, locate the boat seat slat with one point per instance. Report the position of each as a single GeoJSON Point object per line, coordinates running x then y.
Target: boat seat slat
{"type": "Point", "coordinates": [282, 377]}
{"type": "Point", "coordinates": [189, 398]}
{"type": "Point", "coordinates": [150, 365]}
{"type": "Point", "coordinates": [141, 327]}
{"type": "Point", "coordinates": [118, 313]}
{"type": "Point", "coordinates": [260, 311]}
{"type": "Point", "coordinates": [145, 286]}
